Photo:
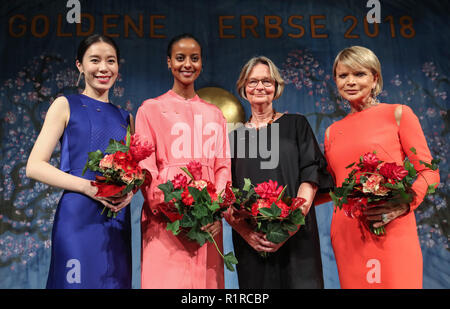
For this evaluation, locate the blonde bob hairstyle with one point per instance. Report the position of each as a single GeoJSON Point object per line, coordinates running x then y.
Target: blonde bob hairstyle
{"type": "Point", "coordinates": [274, 73]}
{"type": "Point", "coordinates": [356, 57]}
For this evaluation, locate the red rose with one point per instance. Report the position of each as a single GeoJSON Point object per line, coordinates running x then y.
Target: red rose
{"type": "Point", "coordinates": [370, 162]}
{"type": "Point", "coordinates": [186, 197]}
{"type": "Point", "coordinates": [195, 168]}
{"type": "Point", "coordinates": [393, 171]}
{"type": "Point", "coordinates": [268, 189]}
{"type": "Point", "coordinates": [140, 149]}
{"type": "Point", "coordinates": [179, 181]}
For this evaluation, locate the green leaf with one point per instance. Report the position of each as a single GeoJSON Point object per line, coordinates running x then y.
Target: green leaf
{"type": "Point", "coordinates": [297, 217]}
{"type": "Point", "coordinates": [174, 227]}
{"type": "Point", "coordinates": [188, 220]}
{"type": "Point", "coordinates": [350, 165]}
{"type": "Point", "coordinates": [199, 211]}
{"type": "Point", "coordinates": [115, 146]}
{"type": "Point", "coordinates": [410, 168]}
{"type": "Point", "coordinates": [198, 236]}
{"type": "Point", "coordinates": [432, 188]}
{"type": "Point", "coordinates": [196, 193]}
{"type": "Point", "coordinates": [413, 150]}
{"type": "Point", "coordinates": [281, 194]}
{"type": "Point", "coordinates": [166, 188]}
{"type": "Point", "coordinates": [275, 233]}
{"type": "Point", "coordinates": [128, 140]}
{"type": "Point", "coordinates": [247, 184]}
{"type": "Point", "coordinates": [206, 220]}
{"type": "Point", "coordinates": [214, 206]}
{"type": "Point", "coordinates": [291, 227]}
{"type": "Point", "coordinates": [187, 172]}
{"type": "Point", "coordinates": [230, 260]}
{"type": "Point", "coordinates": [94, 158]}
{"type": "Point", "coordinates": [273, 212]}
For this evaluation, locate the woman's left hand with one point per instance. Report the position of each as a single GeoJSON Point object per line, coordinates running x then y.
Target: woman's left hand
{"type": "Point", "coordinates": [120, 202]}
{"type": "Point", "coordinates": [213, 228]}
{"type": "Point", "coordinates": [384, 214]}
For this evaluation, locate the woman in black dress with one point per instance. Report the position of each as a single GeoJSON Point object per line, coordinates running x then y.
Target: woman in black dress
{"type": "Point", "coordinates": [282, 148]}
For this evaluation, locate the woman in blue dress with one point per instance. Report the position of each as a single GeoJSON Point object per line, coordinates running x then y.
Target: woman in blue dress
{"type": "Point", "coordinates": [89, 250]}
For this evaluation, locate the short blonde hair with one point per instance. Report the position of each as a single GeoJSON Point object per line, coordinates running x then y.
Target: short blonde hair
{"type": "Point", "coordinates": [358, 56]}
{"type": "Point", "coordinates": [274, 73]}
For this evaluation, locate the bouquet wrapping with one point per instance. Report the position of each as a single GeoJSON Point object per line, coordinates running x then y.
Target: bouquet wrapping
{"type": "Point", "coordinates": [373, 182]}
{"type": "Point", "coordinates": [119, 167]}
{"type": "Point", "coordinates": [192, 204]}
{"type": "Point", "coordinates": [270, 212]}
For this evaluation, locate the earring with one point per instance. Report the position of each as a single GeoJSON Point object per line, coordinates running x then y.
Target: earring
{"type": "Point", "coordinates": [79, 78]}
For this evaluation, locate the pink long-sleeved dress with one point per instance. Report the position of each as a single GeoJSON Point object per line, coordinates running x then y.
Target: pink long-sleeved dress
{"type": "Point", "coordinates": [181, 130]}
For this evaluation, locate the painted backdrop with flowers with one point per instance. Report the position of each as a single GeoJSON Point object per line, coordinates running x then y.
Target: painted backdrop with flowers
{"type": "Point", "coordinates": [301, 37]}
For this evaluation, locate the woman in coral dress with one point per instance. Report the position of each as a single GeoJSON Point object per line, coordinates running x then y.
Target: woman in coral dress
{"type": "Point", "coordinates": [183, 128]}
{"type": "Point", "coordinates": [365, 260]}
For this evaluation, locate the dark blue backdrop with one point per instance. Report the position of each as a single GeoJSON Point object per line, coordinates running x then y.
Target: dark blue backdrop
{"type": "Point", "coordinates": [301, 37]}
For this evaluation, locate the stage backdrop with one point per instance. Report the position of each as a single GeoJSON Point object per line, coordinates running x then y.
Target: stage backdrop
{"type": "Point", "coordinates": [37, 60]}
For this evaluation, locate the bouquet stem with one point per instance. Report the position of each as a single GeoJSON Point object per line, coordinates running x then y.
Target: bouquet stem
{"type": "Point", "coordinates": [379, 231]}
{"type": "Point", "coordinates": [229, 259]}
{"type": "Point", "coordinates": [110, 213]}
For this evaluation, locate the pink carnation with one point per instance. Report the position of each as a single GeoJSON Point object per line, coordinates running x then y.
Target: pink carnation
{"type": "Point", "coordinates": [107, 161]}
{"type": "Point", "coordinates": [372, 184]}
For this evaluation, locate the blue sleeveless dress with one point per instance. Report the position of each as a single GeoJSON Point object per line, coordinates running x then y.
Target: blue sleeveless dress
{"type": "Point", "coordinates": [89, 250]}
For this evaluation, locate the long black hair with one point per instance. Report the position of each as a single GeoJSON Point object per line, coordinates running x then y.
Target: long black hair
{"type": "Point", "coordinates": [92, 39]}
{"type": "Point", "coordinates": [179, 38]}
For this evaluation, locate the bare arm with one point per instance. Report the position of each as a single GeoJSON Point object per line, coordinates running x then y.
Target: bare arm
{"type": "Point", "coordinates": [38, 166]}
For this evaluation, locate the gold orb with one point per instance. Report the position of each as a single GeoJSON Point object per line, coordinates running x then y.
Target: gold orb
{"type": "Point", "coordinates": [230, 106]}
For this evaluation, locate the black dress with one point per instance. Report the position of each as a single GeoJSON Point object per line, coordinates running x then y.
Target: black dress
{"type": "Point", "coordinates": [297, 264]}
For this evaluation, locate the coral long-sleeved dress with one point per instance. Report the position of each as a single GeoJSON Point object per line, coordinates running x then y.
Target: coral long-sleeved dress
{"type": "Point", "coordinates": [363, 259]}
{"type": "Point", "coordinates": [181, 130]}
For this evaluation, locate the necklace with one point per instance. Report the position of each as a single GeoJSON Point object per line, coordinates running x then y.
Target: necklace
{"type": "Point", "coordinates": [274, 113]}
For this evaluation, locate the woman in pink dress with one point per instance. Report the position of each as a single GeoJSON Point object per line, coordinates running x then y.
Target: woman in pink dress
{"type": "Point", "coordinates": [183, 128]}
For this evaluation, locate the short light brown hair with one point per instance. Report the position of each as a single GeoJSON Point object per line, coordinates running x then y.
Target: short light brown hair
{"type": "Point", "coordinates": [358, 56]}
{"type": "Point", "coordinates": [274, 73]}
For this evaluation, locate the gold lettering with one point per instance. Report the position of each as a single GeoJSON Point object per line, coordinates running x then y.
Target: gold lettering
{"type": "Point", "coordinates": [154, 26]}
{"type": "Point", "coordinates": [22, 27]}
{"type": "Point", "coordinates": [251, 26]}
{"type": "Point", "coordinates": [222, 27]}
{"type": "Point", "coordinates": [34, 22]}
{"type": "Point", "coordinates": [275, 26]}
{"type": "Point", "coordinates": [315, 26]}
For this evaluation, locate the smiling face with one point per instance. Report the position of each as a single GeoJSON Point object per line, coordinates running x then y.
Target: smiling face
{"type": "Point", "coordinates": [355, 84]}
{"type": "Point", "coordinates": [260, 86]}
{"type": "Point", "coordinates": [100, 67]}
{"type": "Point", "coordinates": [185, 61]}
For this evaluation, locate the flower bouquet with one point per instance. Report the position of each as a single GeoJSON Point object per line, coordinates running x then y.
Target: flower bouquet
{"type": "Point", "coordinates": [190, 205]}
{"type": "Point", "coordinates": [119, 167]}
{"type": "Point", "coordinates": [269, 211]}
{"type": "Point", "coordinates": [373, 183]}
